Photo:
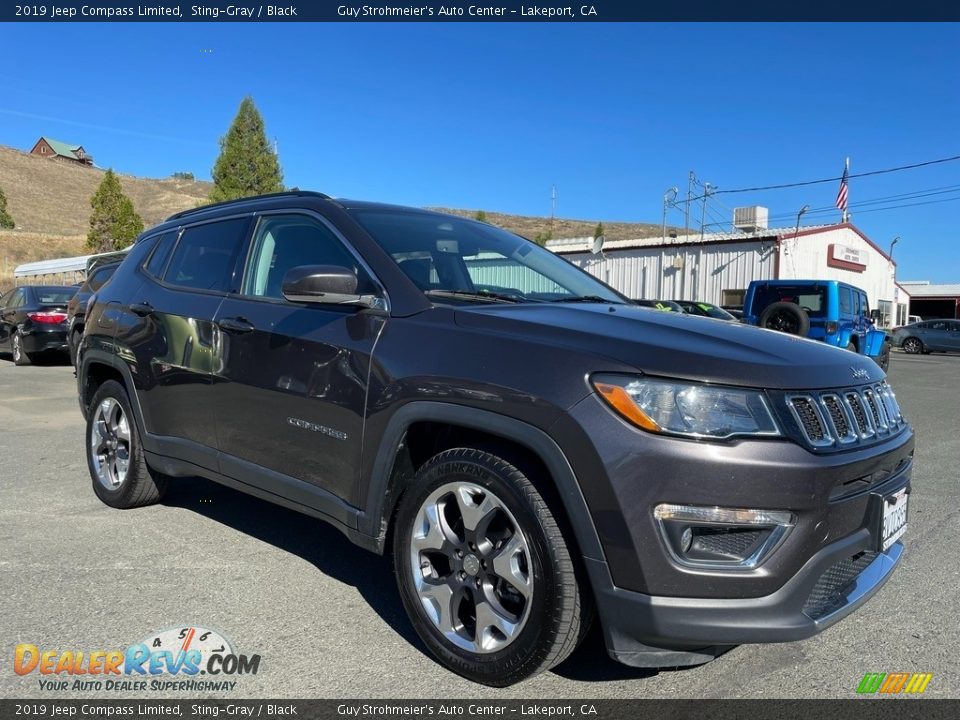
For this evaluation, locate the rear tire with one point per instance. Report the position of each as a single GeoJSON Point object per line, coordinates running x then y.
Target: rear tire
{"type": "Point", "coordinates": [20, 356]}
{"type": "Point", "coordinates": [484, 571]}
{"type": "Point", "coordinates": [883, 360]}
{"type": "Point", "coordinates": [120, 474]}
{"type": "Point", "coordinates": [74, 345]}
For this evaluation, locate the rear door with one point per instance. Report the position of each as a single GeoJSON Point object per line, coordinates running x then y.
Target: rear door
{"type": "Point", "coordinates": [291, 391]}
{"type": "Point", "coordinates": [168, 330]}
{"type": "Point", "coordinates": [8, 314]}
{"type": "Point", "coordinates": [936, 335]}
{"type": "Point", "coordinates": [954, 332]}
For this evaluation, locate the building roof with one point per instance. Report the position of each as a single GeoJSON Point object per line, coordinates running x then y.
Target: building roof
{"type": "Point", "coordinates": [576, 245]}
{"type": "Point", "coordinates": [61, 148]}
{"type": "Point", "coordinates": [50, 267]}
{"type": "Point", "coordinates": [918, 289]}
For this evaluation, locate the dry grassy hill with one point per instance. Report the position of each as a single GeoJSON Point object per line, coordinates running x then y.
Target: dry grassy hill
{"type": "Point", "coordinates": [50, 202]}
{"type": "Point", "coordinates": [533, 227]}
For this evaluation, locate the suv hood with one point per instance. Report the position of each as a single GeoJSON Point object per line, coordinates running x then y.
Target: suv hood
{"type": "Point", "coordinates": [678, 346]}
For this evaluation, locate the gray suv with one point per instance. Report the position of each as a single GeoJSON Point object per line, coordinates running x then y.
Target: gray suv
{"type": "Point", "coordinates": [531, 448]}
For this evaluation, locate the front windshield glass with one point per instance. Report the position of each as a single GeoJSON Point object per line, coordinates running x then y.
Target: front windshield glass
{"type": "Point", "coordinates": [468, 261]}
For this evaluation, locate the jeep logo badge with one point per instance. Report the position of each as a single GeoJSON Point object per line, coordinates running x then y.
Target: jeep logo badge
{"type": "Point", "coordinates": [859, 373]}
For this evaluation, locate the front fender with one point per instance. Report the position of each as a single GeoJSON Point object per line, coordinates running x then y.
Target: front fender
{"type": "Point", "coordinates": [875, 341]}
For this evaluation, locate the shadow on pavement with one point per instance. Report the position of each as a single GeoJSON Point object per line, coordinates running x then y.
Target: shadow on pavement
{"type": "Point", "coordinates": [334, 555]}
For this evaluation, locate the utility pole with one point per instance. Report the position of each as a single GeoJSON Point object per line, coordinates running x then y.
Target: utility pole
{"type": "Point", "coordinates": [707, 187]}
{"type": "Point", "coordinates": [691, 179]}
{"type": "Point", "coordinates": [553, 206]}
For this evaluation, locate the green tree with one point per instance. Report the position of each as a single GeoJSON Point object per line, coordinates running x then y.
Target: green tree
{"type": "Point", "coordinates": [598, 231]}
{"type": "Point", "coordinates": [114, 224]}
{"type": "Point", "coordinates": [6, 222]}
{"type": "Point", "coordinates": [481, 216]}
{"type": "Point", "coordinates": [247, 164]}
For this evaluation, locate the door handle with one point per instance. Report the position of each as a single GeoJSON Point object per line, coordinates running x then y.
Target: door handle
{"type": "Point", "coordinates": [142, 309]}
{"type": "Point", "coordinates": [236, 325]}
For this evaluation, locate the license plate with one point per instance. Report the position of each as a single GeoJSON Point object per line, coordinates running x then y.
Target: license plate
{"type": "Point", "coordinates": [894, 521]}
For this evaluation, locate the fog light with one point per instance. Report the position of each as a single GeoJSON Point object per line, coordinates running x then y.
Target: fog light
{"type": "Point", "coordinates": [721, 538]}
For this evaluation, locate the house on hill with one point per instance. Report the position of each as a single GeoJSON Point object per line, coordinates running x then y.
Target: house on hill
{"type": "Point", "coordinates": [48, 147]}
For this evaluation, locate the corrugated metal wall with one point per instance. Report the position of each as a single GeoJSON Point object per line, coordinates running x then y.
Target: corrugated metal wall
{"type": "Point", "coordinates": [682, 272]}
{"type": "Point", "coordinates": [501, 272]}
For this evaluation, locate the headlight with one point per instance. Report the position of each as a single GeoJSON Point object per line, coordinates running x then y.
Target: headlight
{"type": "Point", "coordinates": [687, 409]}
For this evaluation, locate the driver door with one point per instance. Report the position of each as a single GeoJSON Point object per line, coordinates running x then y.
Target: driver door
{"type": "Point", "coordinates": [290, 394]}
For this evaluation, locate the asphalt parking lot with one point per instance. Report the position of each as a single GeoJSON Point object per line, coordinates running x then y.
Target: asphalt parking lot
{"type": "Point", "coordinates": [325, 616]}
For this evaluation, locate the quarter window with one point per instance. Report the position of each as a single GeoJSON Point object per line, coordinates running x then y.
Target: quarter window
{"type": "Point", "coordinates": [846, 301]}
{"type": "Point", "coordinates": [205, 256]}
{"type": "Point", "coordinates": [161, 253]}
{"type": "Point", "coordinates": [283, 242]}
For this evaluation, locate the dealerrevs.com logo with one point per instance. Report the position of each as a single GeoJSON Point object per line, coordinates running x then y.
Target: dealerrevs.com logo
{"type": "Point", "coordinates": [190, 658]}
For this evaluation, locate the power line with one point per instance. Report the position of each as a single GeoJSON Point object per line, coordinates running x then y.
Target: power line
{"type": "Point", "coordinates": [838, 178]}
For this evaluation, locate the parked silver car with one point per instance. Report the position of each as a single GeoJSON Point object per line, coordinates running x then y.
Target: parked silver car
{"type": "Point", "coordinates": [928, 336]}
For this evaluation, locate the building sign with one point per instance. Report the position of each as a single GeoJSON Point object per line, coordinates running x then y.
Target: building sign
{"type": "Point", "coordinates": [847, 258]}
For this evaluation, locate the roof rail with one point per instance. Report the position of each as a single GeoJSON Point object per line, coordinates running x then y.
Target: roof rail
{"type": "Point", "coordinates": [294, 192]}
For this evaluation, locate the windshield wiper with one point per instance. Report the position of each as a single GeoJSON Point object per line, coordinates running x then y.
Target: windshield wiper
{"type": "Point", "coordinates": [587, 299]}
{"type": "Point", "coordinates": [484, 295]}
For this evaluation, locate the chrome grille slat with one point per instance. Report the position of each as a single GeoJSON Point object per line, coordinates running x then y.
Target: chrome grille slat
{"type": "Point", "coordinates": [837, 418]}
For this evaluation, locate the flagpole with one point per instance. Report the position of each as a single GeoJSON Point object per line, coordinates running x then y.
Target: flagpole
{"type": "Point", "coordinates": [846, 216]}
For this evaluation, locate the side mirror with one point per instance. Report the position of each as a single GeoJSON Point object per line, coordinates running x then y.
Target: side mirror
{"type": "Point", "coordinates": [325, 285]}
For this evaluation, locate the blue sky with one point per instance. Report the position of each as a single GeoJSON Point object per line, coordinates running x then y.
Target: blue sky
{"type": "Point", "coordinates": [491, 115]}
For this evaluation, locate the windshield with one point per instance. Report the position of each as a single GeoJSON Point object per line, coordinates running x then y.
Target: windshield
{"type": "Point", "coordinates": [460, 260]}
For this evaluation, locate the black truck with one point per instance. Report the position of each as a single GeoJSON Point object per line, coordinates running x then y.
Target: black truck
{"type": "Point", "coordinates": [531, 448]}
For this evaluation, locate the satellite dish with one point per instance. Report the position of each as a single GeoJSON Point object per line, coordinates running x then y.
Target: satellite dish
{"type": "Point", "coordinates": [597, 245]}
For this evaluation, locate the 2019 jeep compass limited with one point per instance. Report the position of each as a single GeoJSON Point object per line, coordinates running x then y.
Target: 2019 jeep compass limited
{"type": "Point", "coordinates": [530, 447]}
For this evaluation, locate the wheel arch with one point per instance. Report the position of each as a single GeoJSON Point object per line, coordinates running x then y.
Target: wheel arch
{"type": "Point", "coordinates": [410, 439]}
{"type": "Point", "coordinates": [98, 367]}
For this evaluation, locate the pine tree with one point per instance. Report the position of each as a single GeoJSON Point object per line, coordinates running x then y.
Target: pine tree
{"type": "Point", "coordinates": [247, 165]}
{"type": "Point", "coordinates": [598, 231]}
{"type": "Point", "coordinates": [481, 216]}
{"type": "Point", "coordinates": [114, 224]}
{"type": "Point", "coordinates": [6, 222]}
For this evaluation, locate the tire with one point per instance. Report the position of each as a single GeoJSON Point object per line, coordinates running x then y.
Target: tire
{"type": "Point", "coordinates": [536, 619]}
{"type": "Point", "coordinates": [883, 360]}
{"type": "Point", "coordinates": [912, 346]}
{"type": "Point", "coordinates": [785, 317]}
{"type": "Point", "coordinates": [120, 474]}
{"type": "Point", "coordinates": [20, 356]}
{"type": "Point", "coordinates": [74, 345]}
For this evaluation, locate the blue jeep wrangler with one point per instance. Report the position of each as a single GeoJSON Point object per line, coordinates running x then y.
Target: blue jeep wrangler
{"type": "Point", "coordinates": [827, 310]}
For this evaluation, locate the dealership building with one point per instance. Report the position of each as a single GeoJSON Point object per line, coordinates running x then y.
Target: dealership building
{"type": "Point", "coordinates": [718, 267]}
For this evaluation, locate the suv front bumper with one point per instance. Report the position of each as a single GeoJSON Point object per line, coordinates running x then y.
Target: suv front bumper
{"type": "Point", "coordinates": [651, 631]}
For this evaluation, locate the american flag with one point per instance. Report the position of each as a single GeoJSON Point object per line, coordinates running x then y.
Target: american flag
{"type": "Point", "coordinates": [842, 192]}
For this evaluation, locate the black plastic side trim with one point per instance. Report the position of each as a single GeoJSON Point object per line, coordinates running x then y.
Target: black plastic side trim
{"type": "Point", "coordinates": [182, 468]}
{"type": "Point", "coordinates": [375, 514]}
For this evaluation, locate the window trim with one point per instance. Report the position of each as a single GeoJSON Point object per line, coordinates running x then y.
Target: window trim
{"type": "Point", "coordinates": [339, 236]}
{"type": "Point", "coordinates": [157, 237]}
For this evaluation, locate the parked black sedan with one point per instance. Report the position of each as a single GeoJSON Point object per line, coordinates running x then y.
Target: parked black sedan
{"type": "Point", "coordinates": [77, 307]}
{"type": "Point", "coordinates": [705, 309]}
{"type": "Point", "coordinates": [33, 320]}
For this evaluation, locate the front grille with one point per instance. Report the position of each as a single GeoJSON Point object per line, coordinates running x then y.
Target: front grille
{"type": "Point", "coordinates": [836, 419]}
{"type": "Point", "coordinates": [829, 594]}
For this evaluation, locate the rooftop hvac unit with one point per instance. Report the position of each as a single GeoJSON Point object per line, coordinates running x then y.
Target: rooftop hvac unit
{"type": "Point", "coordinates": [750, 219]}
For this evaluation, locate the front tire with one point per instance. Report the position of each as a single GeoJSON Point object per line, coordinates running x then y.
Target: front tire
{"type": "Point", "coordinates": [120, 474]}
{"type": "Point", "coordinates": [912, 346]}
{"type": "Point", "coordinates": [20, 356]}
{"type": "Point", "coordinates": [484, 571]}
{"type": "Point", "coordinates": [74, 345]}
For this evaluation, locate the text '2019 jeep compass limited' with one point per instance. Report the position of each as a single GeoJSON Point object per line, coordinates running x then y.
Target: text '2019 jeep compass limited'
{"type": "Point", "coordinates": [529, 446]}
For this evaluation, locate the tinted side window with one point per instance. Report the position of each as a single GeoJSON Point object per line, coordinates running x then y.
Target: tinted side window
{"type": "Point", "coordinates": [283, 242]}
{"type": "Point", "coordinates": [100, 277]}
{"type": "Point", "coordinates": [161, 253]}
{"type": "Point", "coordinates": [846, 301]}
{"type": "Point", "coordinates": [205, 255]}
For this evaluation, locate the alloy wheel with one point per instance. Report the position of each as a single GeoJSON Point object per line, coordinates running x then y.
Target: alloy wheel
{"type": "Point", "coordinates": [110, 443]}
{"type": "Point", "coordinates": [912, 346]}
{"type": "Point", "coordinates": [17, 348]}
{"type": "Point", "coordinates": [471, 567]}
